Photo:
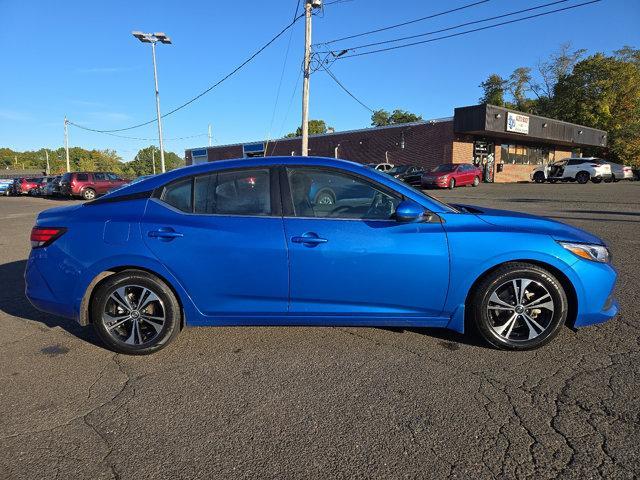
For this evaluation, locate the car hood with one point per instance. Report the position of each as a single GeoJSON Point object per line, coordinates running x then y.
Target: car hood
{"type": "Point", "coordinates": [524, 222]}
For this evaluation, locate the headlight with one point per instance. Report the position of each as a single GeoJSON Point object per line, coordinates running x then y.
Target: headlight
{"type": "Point", "coordinates": [588, 251]}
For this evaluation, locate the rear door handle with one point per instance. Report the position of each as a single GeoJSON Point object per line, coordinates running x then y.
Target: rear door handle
{"type": "Point", "coordinates": [165, 234]}
{"type": "Point", "coordinates": [309, 238]}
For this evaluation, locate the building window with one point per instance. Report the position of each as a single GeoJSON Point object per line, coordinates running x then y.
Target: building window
{"type": "Point", "coordinates": [524, 155]}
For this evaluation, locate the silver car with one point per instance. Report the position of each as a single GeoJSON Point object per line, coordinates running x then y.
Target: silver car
{"type": "Point", "coordinates": [620, 172]}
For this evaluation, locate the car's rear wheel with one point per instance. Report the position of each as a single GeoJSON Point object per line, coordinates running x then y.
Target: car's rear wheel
{"type": "Point", "coordinates": [582, 177]}
{"type": "Point", "coordinates": [476, 181]}
{"type": "Point", "coordinates": [134, 312]}
{"type": "Point", "coordinates": [88, 194]}
{"type": "Point", "coordinates": [519, 306]}
{"type": "Point", "coordinates": [538, 177]}
{"type": "Point", "coordinates": [452, 184]}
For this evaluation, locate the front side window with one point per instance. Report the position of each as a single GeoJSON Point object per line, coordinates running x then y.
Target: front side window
{"type": "Point", "coordinates": [332, 194]}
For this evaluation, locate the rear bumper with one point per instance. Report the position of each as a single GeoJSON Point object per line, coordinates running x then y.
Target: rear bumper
{"type": "Point", "coordinates": [39, 293]}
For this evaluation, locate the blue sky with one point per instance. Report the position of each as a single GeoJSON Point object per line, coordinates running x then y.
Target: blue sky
{"type": "Point", "coordinates": [78, 58]}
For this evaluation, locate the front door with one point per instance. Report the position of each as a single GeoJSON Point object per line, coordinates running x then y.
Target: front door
{"type": "Point", "coordinates": [351, 257]}
{"type": "Point", "coordinates": [101, 183]}
{"type": "Point", "coordinates": [222, 236]}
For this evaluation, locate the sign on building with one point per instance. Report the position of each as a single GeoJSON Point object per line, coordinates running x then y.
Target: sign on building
{"type": "Point", "coordinates": [199, 156]}
{"type": "Point", "coordinates": [517, 123]}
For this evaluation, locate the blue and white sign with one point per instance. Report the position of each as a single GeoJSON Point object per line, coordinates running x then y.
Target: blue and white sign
{"type": "Point", "coordinates": [199, 156]}
{"type": "Point", "coordinates": [517, 123]}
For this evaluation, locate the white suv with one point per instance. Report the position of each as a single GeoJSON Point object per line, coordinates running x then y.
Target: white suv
{"type": "Point", "coordinates": [573, 169]}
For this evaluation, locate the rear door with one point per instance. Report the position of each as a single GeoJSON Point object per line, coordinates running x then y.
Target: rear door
{"type": "Point", "coordinates": [221, 234]}
{"type": "Point", "coordinates": [353, 258]}
{"type": "Point", "coordinates": [100, 182]}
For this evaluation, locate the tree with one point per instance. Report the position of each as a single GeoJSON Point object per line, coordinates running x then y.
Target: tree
{"type": "Point", "coordinates": [143, 163]}
{"type": "Point", "coordinates": [604, 92]}
{"type": "Point", "coordinates": [493, 87]}
{"type": "Point", "coordinates": [316, 127]}
{"type": "Point", "coordinates": [559, 65]}
{"type": "Point", "coordinates": [519, 84]}
{"type": "Point", "coordinates": [381, 118]}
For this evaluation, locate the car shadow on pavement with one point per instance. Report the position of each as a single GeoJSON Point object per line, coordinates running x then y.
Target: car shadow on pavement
{"type": "Point", "coordinates": [14, 302]}
{"type": "Point", "coordinates": [448, 339]}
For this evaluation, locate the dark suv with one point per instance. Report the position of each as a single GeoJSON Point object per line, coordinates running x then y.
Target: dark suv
{"type": "Point", "coordinates": [88, 185]}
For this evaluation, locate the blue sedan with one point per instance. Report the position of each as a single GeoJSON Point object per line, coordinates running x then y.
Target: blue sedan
{"type": "Point", "coordinates": [255, 242]}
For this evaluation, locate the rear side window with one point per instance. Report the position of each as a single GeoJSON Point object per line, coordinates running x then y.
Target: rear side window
{"type": "Point", "coordinates": [82, 177]}
{"type": "Point", "coordinates": [178, 195]}
{"type": "Point", "coordinates": [100, 177]}
{"type": "Point", "coordinates": [244, 192]}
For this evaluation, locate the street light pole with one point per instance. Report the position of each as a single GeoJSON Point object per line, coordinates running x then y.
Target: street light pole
{"type": "Point", "coordinates": [66, 142]}
{"type": "Point", "coordinates": [155, 79]}
{"type": "Point", "coordinates": [154, 38]}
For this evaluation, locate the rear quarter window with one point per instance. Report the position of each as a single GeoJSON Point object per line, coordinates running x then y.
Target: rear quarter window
{"type": "Point", "coordinates": [82, 177]}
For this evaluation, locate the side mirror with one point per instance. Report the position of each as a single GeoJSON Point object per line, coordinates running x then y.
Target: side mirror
{"type": "Point", "coordinates": [409, 211]}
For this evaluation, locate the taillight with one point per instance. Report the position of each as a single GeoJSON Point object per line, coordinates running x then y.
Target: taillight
{"type": "Point", "coordinates": [45, 236]}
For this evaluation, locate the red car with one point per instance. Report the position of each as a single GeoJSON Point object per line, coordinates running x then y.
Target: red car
{"type": "Point", "coordinates": [89, 185]}
{"type": "Point", "coordinates": [26, 185]}
{"type": "Point", "coordinates": [450, 175]}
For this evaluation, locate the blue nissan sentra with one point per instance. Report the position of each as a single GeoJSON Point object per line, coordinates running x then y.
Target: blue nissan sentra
{"type": "Point", "coordinates": [309, 241]}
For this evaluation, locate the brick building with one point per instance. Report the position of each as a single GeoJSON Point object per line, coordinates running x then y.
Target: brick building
{"type": "Point", "coordinates": [507, 143]}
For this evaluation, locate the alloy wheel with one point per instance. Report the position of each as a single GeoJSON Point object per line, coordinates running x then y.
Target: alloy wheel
{"type": "Point", "coordinates": [134, 315]}
{"type": "Point", "coordinates": [520, 310]}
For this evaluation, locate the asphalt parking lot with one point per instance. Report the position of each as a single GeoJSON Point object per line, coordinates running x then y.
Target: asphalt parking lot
{"type": "Point", "coordinates": [328, 402]}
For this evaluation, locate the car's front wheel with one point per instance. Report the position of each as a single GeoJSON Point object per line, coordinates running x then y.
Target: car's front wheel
{"type": "Point", "coordinates": [519, 306]}
{"type": "Point", "coordinates": [538, 177]}
{"type": "Point", "coordinates": [476, 181]}
{"type": "Point", "coordinates": [134, 312]}
{"type": "Point", "coordinates": [452, 184]}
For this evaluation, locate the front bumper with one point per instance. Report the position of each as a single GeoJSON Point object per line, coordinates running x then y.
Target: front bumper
{"type": "Point", "coordinates": [595, 289]}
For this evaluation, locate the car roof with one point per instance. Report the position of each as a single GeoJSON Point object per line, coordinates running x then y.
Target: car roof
{"type": "Point", "coordinates": [203, 168]}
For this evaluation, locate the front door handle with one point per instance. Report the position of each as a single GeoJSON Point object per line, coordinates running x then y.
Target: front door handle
{"type": "Point", "coordinates": [165, 234]}
{"type": "Point", "coordinates": [309, 238]}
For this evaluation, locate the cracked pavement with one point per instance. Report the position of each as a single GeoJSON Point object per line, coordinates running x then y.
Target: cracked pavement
{"type": "Point", "coordinates": [328, 402]}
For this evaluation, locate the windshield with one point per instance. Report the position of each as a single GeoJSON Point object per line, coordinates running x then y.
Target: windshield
{"type": "Point", "coordinates": [399, 169]}
{"type": "Point", "coordinates": [446, 167]}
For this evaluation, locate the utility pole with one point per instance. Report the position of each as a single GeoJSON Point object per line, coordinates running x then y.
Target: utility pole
{"type": "Point", "coordinates": [154, 38]}
{"type": "Point", "coordinates": [209, 134]}
{"type": "Point", "coordinates": [66, 142]}
{"type": "Point", "coordinates": [153, 159]}
{"type": "Point", "coordinates": [48, 170]}
{"type": "Point", "coordinates": [309, 5]}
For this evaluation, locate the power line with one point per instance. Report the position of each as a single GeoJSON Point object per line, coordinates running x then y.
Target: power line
{"type": "Point", "coordinates": [330, 73]}
{"type": "Point", "coordinates": [454, 27]}
{"type": "Point", "coordinates": [466, 31]}
{"type": "Point", "coordinates": [204, 92]}
{"type": "Point", "coordinates": [434, 15]}
{"type": "Point", "coordinates": [149, 139]}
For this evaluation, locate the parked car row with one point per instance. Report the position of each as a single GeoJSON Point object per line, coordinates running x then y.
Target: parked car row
{"type": "Point", "coordinates": [86, 185]}
{"type": "Point", "coordinates": [446, 175]}
{"type": "Point", "coordinates": [582, 170]}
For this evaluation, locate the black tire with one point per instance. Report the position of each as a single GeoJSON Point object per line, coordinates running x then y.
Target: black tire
{"type": "Point", "coordinates": [88, 194]}
{"type": "Point", "coordinates": [596, 180]}
{"type": "Point", "coordinates": [583, 177]}
{"type": "Point", "coordinates": [452, 184]}
{"type": "Point", "coordinates": [150, 342]}
{"type": "Point", "coordinates": [325, 197]}
{"type": "Point", "coordinates": [553, 180]}
{"type": "Point", "coordinates": [538, 177]}
{"type": "Point", "coordinates": [488, 325]}
{"type": "Point", "coordinates": [613, 179]}
{"type": "Point", "coordinates": [476, 181]}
